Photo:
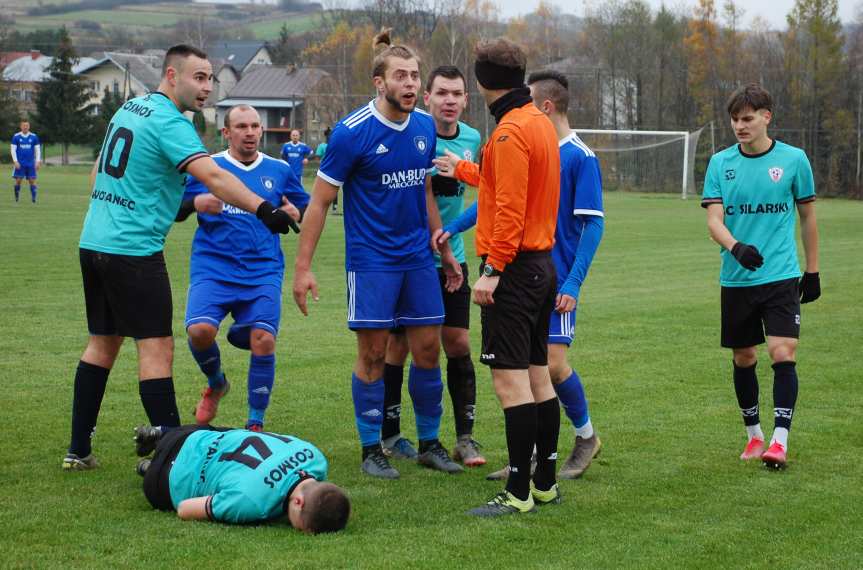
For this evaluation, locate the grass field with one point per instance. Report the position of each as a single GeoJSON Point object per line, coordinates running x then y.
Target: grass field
{"type": "Point", "coordinates": [667, 490]}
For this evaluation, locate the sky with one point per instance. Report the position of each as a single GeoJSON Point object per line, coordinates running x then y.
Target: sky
{"type": "Point", "coordinates": [773, 11]}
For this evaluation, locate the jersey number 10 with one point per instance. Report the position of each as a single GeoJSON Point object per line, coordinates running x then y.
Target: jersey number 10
{"type": "Point", "coordinates": [106, 156]}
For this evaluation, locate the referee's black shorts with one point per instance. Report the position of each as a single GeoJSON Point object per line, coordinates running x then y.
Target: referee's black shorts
{"type": "Point", "coordinates": [156, 487]}
{"type": "Point", "coordinates": [515, 327]}
{"type": "Point", "coordinates": [127, 295]}
{"type": "Point", "coordinates": [750, 312]}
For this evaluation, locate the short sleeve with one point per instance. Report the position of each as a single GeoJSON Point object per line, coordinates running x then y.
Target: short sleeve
{"type": "Point", "coordinates": [180, 143]}
{"type": "Point", "coordinates": [338, 162]}
{"type": "Point", "coordinates": [803, 186]}
{"type": "Point", "coordinates": [234, 506]}
{"type": "Point", "coordinates": [38, 140]}
{"type": "Point", "coordinates": [712, 191]}
{"type": "Point", "coordinates": [293, 190]}
{"type": "Point", "coordinates": [193, 188]}
{"type": "Point", "coordinates": [588, 188]}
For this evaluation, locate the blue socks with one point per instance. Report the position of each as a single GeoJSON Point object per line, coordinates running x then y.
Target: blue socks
{"type": "Point", "coordinates": [210, 363]}
{"type": "Point", "coordinates": [262, 373]}
{"type": "Point", "coordinates": [426, 390]}
{"type": "Point", "coordinates": [570, 392]}
{"type": "Point", "coordinates": [33, 193]}
{"type": "Point", "coordinates": [368, 409]}
{"type": "Point", "coordinates": [17, 191]}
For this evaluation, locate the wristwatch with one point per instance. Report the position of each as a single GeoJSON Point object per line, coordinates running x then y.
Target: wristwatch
{"type": "Point", "coordinates": [489, 271]}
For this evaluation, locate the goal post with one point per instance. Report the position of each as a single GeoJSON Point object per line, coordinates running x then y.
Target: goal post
{"type": "Point", "coordinates": [650, 161]}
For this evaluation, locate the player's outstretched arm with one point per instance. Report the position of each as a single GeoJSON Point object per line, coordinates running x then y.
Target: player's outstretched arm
{"type": "Point", "coordinates": [228, 188]}
{"type": "Point", "coordinates": [193, 509]}
{"type": "Point", "coordinates": [323, 195]}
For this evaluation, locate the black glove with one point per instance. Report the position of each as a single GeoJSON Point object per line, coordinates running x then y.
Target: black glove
{"type": "Point", "coordinates": [276, 220]}
{"type": "Point", "coordinates": [809, 287]}
{"type": "Point", "coordinates": [747, 255]}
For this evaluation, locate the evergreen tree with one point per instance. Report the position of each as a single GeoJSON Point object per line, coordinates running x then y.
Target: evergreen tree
{"type": "Point", "coordinates": [63, 101]}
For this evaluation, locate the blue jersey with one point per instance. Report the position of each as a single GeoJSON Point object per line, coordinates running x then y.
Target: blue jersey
{"type": "Point", "coordinates": [25, 148]}
{"type": "Point", "coordinates": [382, 168]}
{"type": "Point", "coordinates": [247, 475]}
{"type": "Point", "coordinates": [234, 246]}
{"type": "Point", "coordinates": [758, 194]}
{"type": "Point", "coordinates": [139, 178]}
{"type": "Point", "coordinates": [294, 154]}
{"type": "Point", "coordinates": [580, 196]}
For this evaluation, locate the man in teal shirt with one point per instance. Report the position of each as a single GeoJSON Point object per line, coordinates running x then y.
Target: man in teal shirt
{"type": "Point", "coordinates": [137, 185]}
{"type": "Point", "coordinates": [750, 193]}
{"type": "Point", "coordinates": [445, 97]}
{"type": "Point", "coordinates": [239, 476]}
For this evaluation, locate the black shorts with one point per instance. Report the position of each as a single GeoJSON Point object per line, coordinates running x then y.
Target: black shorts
{"type": "Point", "coordinates": [515, 327]}
{"type": "Point", "coordinates": [456, 304]}
{"type": "Point", "coordinates": [748, 313]}
{"type": "Point", "coordinates": [127, 295]}
{"type": "Point", "coordinates": [156, 487]}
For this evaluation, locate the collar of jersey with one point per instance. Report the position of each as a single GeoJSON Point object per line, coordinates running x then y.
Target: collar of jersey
{"type": "Point", "coordinates": [227, 156]}
{"type": "Point", "coordinates": [759, 155]}
{"type": "Point", "coordinates": [568, 138]}
{"type": "Point", "coordinates": [387, 122]}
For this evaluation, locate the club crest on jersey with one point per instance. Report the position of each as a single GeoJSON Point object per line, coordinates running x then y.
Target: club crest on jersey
{"type": "Point", "coordinates": [421, 143]}
{"type": "Point", "coordinates": [268, 183]}
{"type": "Point", "coordinates": [775, 173]}
{"type": "Point", "coordinates": [468, 155]}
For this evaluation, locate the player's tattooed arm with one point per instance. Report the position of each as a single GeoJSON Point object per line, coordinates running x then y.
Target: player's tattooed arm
{"type": "Point", "coordinates": [197, 509]}
{"type": "Point", "coordinates": [449, 264]}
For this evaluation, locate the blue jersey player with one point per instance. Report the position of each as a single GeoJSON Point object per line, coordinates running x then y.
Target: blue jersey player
{"type": "Point", "coordinates": [580, 224]}
{"type": "Point", "coordinates": [380, 156]}
{"type": "Point", "coordinates": [296, 153]}
{"type": "Point", "coordinates": [445, 98]}
{"type": "Point", "coordinates": [239, 476]}
{"type": "Point", "coordinates": [26, 152]}
{"type": "Point", "coordinates": [751, 191]}
{"type": "Point", "coordinates": [237, 267]}
{"type": "Point", "coordinates": [137, 180]}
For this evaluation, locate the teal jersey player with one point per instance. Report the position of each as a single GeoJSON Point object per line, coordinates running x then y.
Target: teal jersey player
{"type": "Point", "coordinates": [246, 475]}
{"type": "Point", "coordinates": [139, 177]}
{"type": "Point", "coordinates": [449, 192]}
{"type": "Point", "coordinates": [759, 194]}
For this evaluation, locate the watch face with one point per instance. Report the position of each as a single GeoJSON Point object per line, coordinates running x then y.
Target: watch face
{"type": "Point", "coordinates": [488, 270]}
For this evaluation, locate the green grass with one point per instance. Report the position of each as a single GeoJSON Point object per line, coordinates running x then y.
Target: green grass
{"type": "Point", "coordinates": [296, 23]}
{"type": "Point", "coordinates": [667, 490]}
{"type": "Point", "coordinates": [122, 17]}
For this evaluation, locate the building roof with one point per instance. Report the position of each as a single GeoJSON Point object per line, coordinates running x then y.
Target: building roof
{"type": "Point", "coordinates": [36, 68]}
{"type": "Point", "coordinates": [238, 53]}
{"type": "Point", "coordinates": [8, 57]}
{"type": "Point", "coordinates": [276, 82]}
{"type": "Point", "coordinates": [146, 69]}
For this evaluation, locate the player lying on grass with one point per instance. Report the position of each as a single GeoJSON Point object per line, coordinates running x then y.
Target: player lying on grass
{"type": "Point", "coordinates": [237, 266]}
{"type": "Point", "coordinates": [239, 476]}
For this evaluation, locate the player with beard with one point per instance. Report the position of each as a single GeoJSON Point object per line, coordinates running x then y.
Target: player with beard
{"type": "Point", "coordinates": [381, 155]}
{"type": "Point", "coordinates": [446, 98]}
{"type": "Point", "coordinates": [137, 181]}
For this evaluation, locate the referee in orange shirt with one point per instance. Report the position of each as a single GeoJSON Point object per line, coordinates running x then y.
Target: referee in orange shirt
{"type": "Point", "coordinates": [519, 192]}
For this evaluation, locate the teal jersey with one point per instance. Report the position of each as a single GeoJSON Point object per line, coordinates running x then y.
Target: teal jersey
{"type": "Point", "coordinates": [139, 180]}
{"type": "Point", "coordinates": [247, 475]}
{"type": "Point", "coordinates": [759, 194]}
{"type": "Point", "coordinates": [449, 192]}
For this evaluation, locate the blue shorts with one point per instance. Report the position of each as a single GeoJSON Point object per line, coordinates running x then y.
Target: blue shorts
{"type": "Point", "coordinates": [386, 299]}
{"type": "Point", "coordinates": [255, 306]}
{"type": "Point", "coordinates": [26, 171]}
{"type": "Point", "coordinates": [561, 329]}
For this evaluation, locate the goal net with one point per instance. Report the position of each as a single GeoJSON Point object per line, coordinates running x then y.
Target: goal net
{"type": "Point", "coordinates": [645, 161]}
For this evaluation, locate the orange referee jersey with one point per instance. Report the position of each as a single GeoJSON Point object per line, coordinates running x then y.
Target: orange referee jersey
{"type": "Point", "coordinates": [519, 187]}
